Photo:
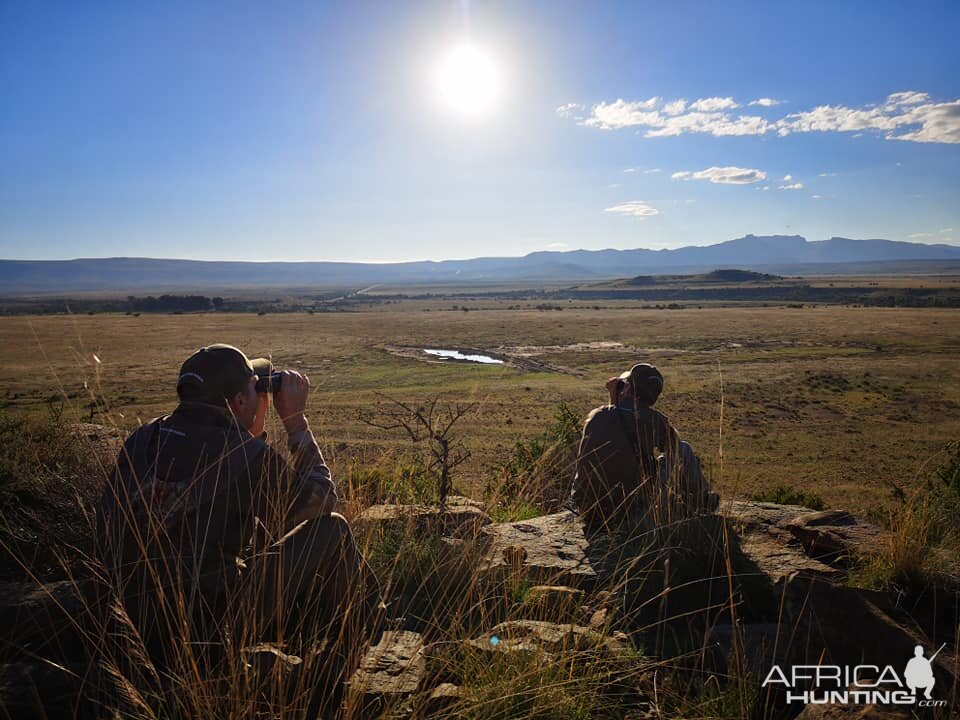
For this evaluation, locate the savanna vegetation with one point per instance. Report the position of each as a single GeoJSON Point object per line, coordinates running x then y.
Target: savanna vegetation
{"type": "Point", "coordinates": [853, 408]}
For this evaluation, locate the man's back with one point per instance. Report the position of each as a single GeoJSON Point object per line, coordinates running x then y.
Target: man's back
{"type": "Point", "coordinates": [183, 499]}
{"type": "Point", "coordinates": [617, 466]}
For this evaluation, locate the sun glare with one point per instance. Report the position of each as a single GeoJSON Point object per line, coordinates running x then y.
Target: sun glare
{"type": "Point", "coordinates": [467, 82]}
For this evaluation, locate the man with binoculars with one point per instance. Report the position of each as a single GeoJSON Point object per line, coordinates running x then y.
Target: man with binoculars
{"type": "Point", "coordinates": [633, 470]}
{"type": "Point", "coordinates": [207, 526]}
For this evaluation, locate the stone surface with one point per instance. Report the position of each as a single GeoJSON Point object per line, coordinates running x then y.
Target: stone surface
{"type": "Point", "coordinates": [753, 515]}
{"type": "Point", "coordinates": [554, 549]}
{"type": "Point", "coordinates": [446, 661]}
{"type": "Point", "coordinates": [45, 618]}
{"type": "Point", "coordinates": [834, 533]}
{"type": "Point", "coordinates": [557, 603]}
{"type": "Point", "coordinates": [462, 517]}
{"type": "Point", "coordinates": [778, 560]}
{"type": "Point", "coordinates": [392, 669]}
{"type": "Point", "coordinates": [442, 699]}
{"type": "Point", "coordinates": [541, 636]}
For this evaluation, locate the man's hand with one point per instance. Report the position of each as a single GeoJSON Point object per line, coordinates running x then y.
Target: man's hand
{"type": "Point", "coordinates": [291, 401]}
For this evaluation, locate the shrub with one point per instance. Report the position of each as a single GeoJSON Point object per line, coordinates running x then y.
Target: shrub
{"type": "Point", "coordinates": [539, 471]}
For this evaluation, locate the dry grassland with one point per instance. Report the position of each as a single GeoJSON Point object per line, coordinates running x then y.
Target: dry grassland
{"type": "Point", "coordinates": [837, 401]}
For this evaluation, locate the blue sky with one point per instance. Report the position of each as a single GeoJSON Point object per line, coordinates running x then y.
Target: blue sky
{"type": "Point", "coordinates": [313, 131]}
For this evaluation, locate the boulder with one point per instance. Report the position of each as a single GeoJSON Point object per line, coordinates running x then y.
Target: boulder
{"type": "Point", "coordinates": [779, 560]}
{"type": "Point", "coordinates": [46, 618]}
{"type": "Point", "coordinates": [448, 661]}
{"type": "Point", "coordinates": [754, 516]}
{"type": "Point", "coordinates": [441, 701]}
{"type": "Point", "coordinates": [389, 673]}
{"type": "Point", "coordinates": [539, 636]}
{"type": "Point", "coordinates": [547, 550]}
{"type": "Point", "coordinates": [831, 534]}
{"type": "Point", "coordinates": [462, 517]}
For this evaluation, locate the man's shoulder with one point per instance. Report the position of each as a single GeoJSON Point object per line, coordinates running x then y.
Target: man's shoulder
{"type": "Point", "coordinates": [602, 416]}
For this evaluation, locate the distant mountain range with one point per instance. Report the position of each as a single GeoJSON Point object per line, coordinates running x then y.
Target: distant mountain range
{"type": "Point", "coordinates": [773, 253]}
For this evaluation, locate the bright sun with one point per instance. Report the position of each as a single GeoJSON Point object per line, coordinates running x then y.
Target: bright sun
{"type": "Point", "coordinates": [467, 82]}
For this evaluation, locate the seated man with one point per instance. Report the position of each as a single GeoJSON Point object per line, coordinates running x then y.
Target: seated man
{"type": "Point", "coordinates": [633, 470]}
{"type": "Point", "coordinates": [204, 526]}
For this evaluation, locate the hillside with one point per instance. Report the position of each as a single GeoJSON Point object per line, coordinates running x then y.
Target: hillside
{"type": "Point", "coordinates": [772, 253]}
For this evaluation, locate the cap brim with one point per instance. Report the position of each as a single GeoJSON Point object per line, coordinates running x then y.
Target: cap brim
{"type": "Point", "coordinates": [262, 366]}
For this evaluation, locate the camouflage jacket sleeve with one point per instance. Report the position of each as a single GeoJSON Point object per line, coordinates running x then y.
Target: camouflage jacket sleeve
{"type": "Point", "coordinates": [303, 490]}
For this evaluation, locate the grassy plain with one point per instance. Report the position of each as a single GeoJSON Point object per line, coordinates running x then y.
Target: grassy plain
{"type": "Point", "coordinates": [842, 402]}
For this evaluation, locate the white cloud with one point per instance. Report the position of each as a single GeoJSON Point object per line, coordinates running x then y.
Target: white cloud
{"type": "Point", "coordinates": [907, 98]}
{"type": "Point", "coordinates": [634, 208]}
{"type": "Point", "coordinates": [816, 197]}
{"type": "Point", "coordinates": [920, 235]}
{"type": "Point", "coordinates": [557, 246]}
{"type": "Point", "coordinates": [677, 107]}
{"type": "Point", "coordinates": [645, 171]}
{"type": "Point", "coordinates": [905, 116]}
{"type": "Point", "coordinates": [945, 230]}
{"type": "Point", "coordinates": [730, 175]}
{"type": "Point", "coordinates": [794, 186]}
{"type": "Point", "coordinates": [787, 177]}
{"type": "Point", "coordinates": [571, 110]}
{"type": "Point", "coordinates": [651, 171]}
{"type": "Point", "coordinates": [827, 174]}
{"type": "Point", "coordinates": [623, 114]}
{"type": "Point", "coordinates": [713, 104]}
{"type": "Point", "coordinates": [908, 116]}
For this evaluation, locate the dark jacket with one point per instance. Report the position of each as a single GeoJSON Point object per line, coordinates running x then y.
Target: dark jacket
{"type": "Point", "coordinates": [192, 491]}
{"type": "Point", "coordinates": [617, 466]}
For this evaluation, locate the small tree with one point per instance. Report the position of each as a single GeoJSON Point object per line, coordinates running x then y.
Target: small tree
{"type": "Point", "coordinates": [428, 425]}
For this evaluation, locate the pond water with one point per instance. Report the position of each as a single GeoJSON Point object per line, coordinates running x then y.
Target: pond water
{"type": "Point", "coordinates": [457, 355]}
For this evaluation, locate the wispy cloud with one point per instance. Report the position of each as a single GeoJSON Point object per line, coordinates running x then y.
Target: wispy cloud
{"type": "Point", "coordinates": [920, 235]}
{"type": "Point", "coordinates": [765, 102]}
{"type": "Point", "coordinates": [816, 197]}
{"type": "Point", "coordinates": [571, 110]}
{"type": "Point", "coordinates": [908, 116]}
{"type": "Point", "coordinates": [730, 175]}
{"type": "Point", "coordinates": [634, 208]}
{"type": "Point", "coordinates": [645, 171]}
{"type": "Point", "coordinates": [787, 177]}
{"type": "Point", "coordinates": [945, 230]}
{"type": "Point", "coordinates": [792, 186]}
{"type": "Point", "coordinates": [827, 174]}
{"type": "Point", "coordinates": [713, 104]}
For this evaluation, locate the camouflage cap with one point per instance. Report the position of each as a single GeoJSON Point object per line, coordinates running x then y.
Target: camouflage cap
{"type": "Point", "coordinates": [646, 382]}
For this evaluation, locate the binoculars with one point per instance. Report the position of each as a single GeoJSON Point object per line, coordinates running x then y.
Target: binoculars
{"type": "Point", "coordinates": [269, 383]}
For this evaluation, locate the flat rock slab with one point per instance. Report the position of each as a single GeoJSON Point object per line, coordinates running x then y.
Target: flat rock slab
{"type": "Point", "coordinates": [45, 617]}
{"type": "Point", "coordinates": [541, 636]}
{"type": "Point", "coordinates": [547, 550]}
{"type": "Point", "coordinates": [779, 561]}
{"type": "Point", "coordinates": [462, 517]}
{"type": "Point", "coordinates": [832, 533]}
{"type": "Point", "coordinates": [392, 669]}
{"type": "Point", "coordinates": [753, 515]}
